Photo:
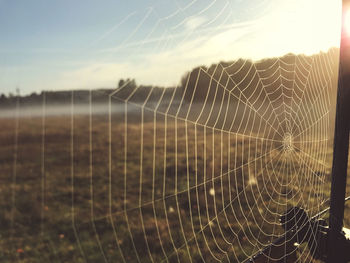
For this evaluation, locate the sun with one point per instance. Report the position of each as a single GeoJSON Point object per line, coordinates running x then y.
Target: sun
{"type": "Point", "coordinates": [346, 22]}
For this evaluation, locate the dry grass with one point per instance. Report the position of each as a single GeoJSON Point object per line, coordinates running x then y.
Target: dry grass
{"type": "Point", "coordinates": [64, 201]}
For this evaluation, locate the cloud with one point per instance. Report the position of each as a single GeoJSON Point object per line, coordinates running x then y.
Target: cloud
{"type": "Point", "coordinates": [161, 68]}
{"type": "Point", "coordinates": [296, 31]}
{"type": "Point", "coordinates": [194, 22]}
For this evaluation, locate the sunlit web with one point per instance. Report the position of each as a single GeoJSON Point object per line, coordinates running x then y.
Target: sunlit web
{"type": "Point", "coordinates": [224, 167]}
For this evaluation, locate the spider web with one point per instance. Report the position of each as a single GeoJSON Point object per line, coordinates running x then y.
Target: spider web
{"type": "Point", "coordinates": [224, 168]}
{"type": "Point", "coordinates": [197, 173]}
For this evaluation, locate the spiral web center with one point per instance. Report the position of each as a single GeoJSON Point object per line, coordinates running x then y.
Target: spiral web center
{"type": "Point", "coordinates": [287, 142]}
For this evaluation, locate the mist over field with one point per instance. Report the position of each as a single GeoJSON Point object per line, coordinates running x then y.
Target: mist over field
{"type": "Point", "coordinates": [59, 110]}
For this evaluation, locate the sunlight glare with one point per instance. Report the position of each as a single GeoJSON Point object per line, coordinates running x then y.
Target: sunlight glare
{"type": "Point", "coordinates": [346, 22]}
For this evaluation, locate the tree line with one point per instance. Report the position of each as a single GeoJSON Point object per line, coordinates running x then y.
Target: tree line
{"type": "Point", "coordinates": [194, 85]}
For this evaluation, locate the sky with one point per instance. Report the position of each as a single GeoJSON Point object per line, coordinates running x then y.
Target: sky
{"type": "Point", "coordinates": [86, 44]}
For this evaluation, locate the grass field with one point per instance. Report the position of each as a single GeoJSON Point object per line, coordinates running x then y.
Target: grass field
{"type": "Point", "coordinates": [94, 189]}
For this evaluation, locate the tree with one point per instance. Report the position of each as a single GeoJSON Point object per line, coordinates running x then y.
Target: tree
{"type": "Point", "coordinates": [121, 83]}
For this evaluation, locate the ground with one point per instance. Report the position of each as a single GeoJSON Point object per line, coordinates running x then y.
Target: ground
{"type": "Point", "coordinates": [67, 195]}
